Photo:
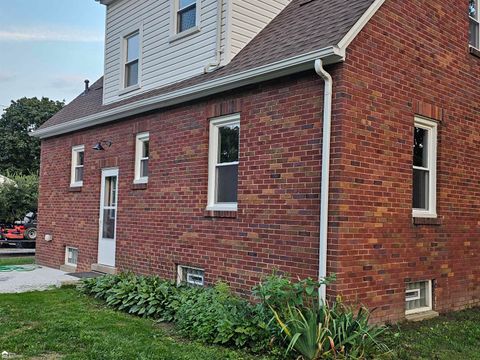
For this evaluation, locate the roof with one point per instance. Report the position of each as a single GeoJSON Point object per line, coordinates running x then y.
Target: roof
{"type": "Point", "coordinates": [304, 31]}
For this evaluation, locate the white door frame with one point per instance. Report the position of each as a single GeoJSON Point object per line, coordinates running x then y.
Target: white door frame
{"type": "Point", "coordinates": [105, 244]}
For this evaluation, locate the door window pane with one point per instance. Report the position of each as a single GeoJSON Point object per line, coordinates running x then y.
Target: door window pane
{"type": "Point", "coordinates": [229, 144]}
{"type": "Point", "coordinates": [108, 224]}
{"type": "Point", "coordinates": [110, 191]}
{"type": "Point", "coordinates": [227, 183]}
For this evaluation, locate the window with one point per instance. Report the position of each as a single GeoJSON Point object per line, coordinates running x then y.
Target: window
{"type": "Point", "coordinates": [424, 168]}
{"type": "Point", "coordinates": [418, 297]}
{"type": "Point", "coordinates": [132, 59]}
{"type": "Point", "coordinates": [77, 165]}
{"type": "Point", "coordinates": [142, 152]}
{"type": "Point", "coordinates": [190, 276]}
{"type": "Point", "coordinates": [71, 256]}
{"type": "Point", "coordinates": [186, 15]}
{"type": "Point", "coordinates": [474, 23]}
{"type": "Point", "coordinates": [223, 163]}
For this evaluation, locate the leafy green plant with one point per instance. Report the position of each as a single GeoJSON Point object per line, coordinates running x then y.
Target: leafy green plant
{"type": "Point", "coordinates": [18, 197]}
{"type": "Point", "coordinates": [330, 332]}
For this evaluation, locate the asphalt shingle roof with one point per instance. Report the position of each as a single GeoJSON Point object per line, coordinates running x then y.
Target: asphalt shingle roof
{"type": "Point", "coordinates": [302, 27]}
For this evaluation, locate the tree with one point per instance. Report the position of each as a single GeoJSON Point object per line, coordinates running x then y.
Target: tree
{"type": "Point", "coordinates": [19, 152]}
{"type": "Point", "coordinates": [18, 197]}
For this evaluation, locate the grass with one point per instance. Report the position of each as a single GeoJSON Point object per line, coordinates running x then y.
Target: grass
{"type": "Point", "coordinates": [64, 323]}
{"type": "Point", "coordinates": [450, 337]}
{"type": "Point", "coordinates": [27, 260]}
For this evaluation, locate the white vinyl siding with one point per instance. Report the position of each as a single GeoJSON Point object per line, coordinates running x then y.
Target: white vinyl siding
{"type": "Point", "coordinates": [162, 61]}
{"type": "Point", "coordinates": [249, 17]}
{"type": "Point", "coordinates": [166, 56]}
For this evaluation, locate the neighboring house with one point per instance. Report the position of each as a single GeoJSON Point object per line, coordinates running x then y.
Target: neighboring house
{"type": "Point", "coordinates": [314, 137]}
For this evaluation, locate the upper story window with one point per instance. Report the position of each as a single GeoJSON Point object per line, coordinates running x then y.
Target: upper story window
{"type": "Point", "coordinates": [132, 59]}
{"type": "Point", "coordinates": [223, 163]}
{"type": "Point", "coordinates": [78, 153]}
{"type": "Point", "coordinates": [186, 15]}
{"type": "Point", "coordinates": [142, 153]}
{"type": "Point", "coordinates": [424, 168]}
{"type": "Point", "coordinates": [474, 23]}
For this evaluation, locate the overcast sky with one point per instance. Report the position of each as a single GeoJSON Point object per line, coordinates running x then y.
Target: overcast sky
{"type": "Point", "coordinates": [48, 47]}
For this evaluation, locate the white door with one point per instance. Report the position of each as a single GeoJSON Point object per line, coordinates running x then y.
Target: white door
{"type": "Point", "coordinates": [108, 217]}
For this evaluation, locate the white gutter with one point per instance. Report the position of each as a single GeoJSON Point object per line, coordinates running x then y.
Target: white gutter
{"type": "Point", "coordinates": [325, 182]}
{"type": "Point", "coordinates": [259, 74]}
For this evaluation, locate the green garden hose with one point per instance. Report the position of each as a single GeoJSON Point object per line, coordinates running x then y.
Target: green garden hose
{"type": "Point", "coordinates": [10, 268]}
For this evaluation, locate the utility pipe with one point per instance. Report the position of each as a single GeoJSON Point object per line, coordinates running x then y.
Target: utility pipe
{"type": "Point", "coordinates": [324, 192]}
{"type": "Point", "coordinates": [218, 50]}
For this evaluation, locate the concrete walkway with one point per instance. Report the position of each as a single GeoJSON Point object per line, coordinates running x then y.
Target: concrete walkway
{"type": "Point", "coordinates": [41, 278]}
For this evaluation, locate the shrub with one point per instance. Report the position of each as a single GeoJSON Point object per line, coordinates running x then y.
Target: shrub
{"type": "Point", "coordinates": [217, 316]}
{"type": "Point", "coordinates": [18, 197]}
{"type": "Point", "coordinates": [331, 332]}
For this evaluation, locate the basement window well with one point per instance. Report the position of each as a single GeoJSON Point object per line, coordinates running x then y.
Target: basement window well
{"type": "Point", "coordinates": [190, 276]}
{"type": "Point", "coordinates": [418, 297]}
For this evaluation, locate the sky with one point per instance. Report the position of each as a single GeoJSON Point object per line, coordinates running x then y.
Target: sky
{"type": "Point", "coordinates": [49, 47]}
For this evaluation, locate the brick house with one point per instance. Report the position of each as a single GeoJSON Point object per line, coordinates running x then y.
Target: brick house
{"type": "Point", "coordinates": [230, 138]}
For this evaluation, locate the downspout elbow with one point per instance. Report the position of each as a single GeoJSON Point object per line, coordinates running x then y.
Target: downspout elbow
{"type": "Point", "coordinates": [325, 180]}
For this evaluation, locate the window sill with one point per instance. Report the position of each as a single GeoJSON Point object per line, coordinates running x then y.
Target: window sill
{"type": "Point", "coordinates": [139, 186]}
{"type": "Point", "coordinates": [229, 214]}
{"type": "Point", "coordinates": [426, 221]}
{"type": "Point", "coordinates": [75, 188]}
{"type": "Point", "coordinates": [183, 34]}
{"type": "Point", "coordinates": [129, 89]}
{"type": "Point", "coordinates": [420, 316]}
{"type": "Point", "coordinates": [474, 51]}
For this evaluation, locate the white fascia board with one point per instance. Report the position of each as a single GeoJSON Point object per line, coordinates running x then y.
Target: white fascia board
{"type": "Point", "coordinates": [359, 25]}
{"type": "Point", "coordinates": [329, 55]}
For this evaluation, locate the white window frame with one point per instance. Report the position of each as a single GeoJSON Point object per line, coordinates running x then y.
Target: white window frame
{"type": "Point", "coordinates": [175, 8]}
{"type": "Point", "coordinates": [477, 20]}
{"type": "Point", "coordinates": [66, 256]}
{"type": "Point", "coordinates": [123, 58]}
{"type": "Point", "coordinates": [428, 295]}
{"type": "Point", "coordinates": [139, 140]}
{"type": "Point", "coordinates": [432, 127]}
{"type": "Point", "coordinates": [215, 125]}
{"type": "Point", "coordinates": [182, 268]}
{"type": "Point", "coordinates": [76, 149]}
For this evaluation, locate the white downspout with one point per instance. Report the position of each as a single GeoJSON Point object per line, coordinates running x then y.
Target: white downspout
{"type": "Point", "coordinates": [327, 122]}
{"type": "Point", "coordinates": [218, 51]}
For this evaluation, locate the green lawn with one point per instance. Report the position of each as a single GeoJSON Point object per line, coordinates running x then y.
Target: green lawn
{"type": "Point", "coordinates": [65, 324]}
{"type": "Point", "coordinates": [17, 260]}
{"type": "Point", "coordinates": [450, 337]}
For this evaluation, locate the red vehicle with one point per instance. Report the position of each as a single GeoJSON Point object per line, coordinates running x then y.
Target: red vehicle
{"type": "Point", "coordinates": [21, 230]}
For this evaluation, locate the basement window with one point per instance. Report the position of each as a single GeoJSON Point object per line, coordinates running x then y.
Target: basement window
{"type": "Point", "coordinates": [418, 297]}
{"type": "Point", "coordinates": [78, 157]}
{"type": "Point", "coordinates": [424, 168]}
{"type": "Point", "coordinates": [142, 154]}
{"type": "Point", "coordinates": [71, 256]}
{"type": "Point", "coordinates": [224, 149]}
{"type": "Point", "coordinates": [190, 276]}
{"type": "Point", "coordinates": [474, 31]}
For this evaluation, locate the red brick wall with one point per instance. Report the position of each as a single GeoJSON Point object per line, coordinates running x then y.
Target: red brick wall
{"type": "Point", "coordinates": [412, 58]}
{"type": "Point", "coordinates": [166, 224]}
